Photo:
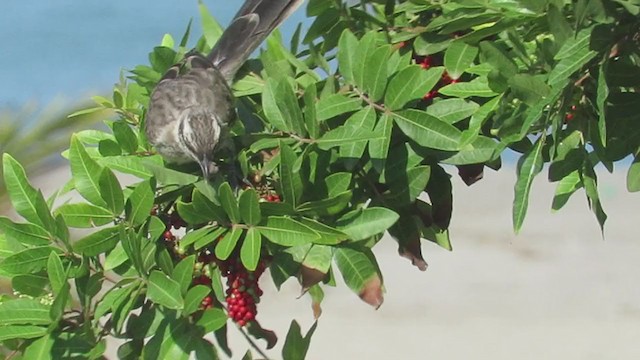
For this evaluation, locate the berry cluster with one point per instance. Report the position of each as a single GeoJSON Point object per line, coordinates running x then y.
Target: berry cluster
{"type": "Point", "coordinates": [243, 291]}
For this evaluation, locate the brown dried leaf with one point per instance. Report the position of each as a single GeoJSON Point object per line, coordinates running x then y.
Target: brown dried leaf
{"type": "Point", "coordinates": [470, 174]}
{"type": "Point", "coordinates": [412, 251]}
{"type": "Point", "coordinates": [372, 292]}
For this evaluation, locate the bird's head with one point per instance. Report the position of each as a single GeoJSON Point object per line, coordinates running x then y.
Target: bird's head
{"type": "Point", "coordinates": [199, 134]}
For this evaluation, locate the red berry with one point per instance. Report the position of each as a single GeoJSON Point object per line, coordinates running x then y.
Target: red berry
{"type": "Point", "coordinates": [573, 108]}
{"type": "Point", "coordinates": [168, 235]}
{"type": "Point", "coordinates": [569, 116]}
{"type": "Point", "coordinates": [242, 323]}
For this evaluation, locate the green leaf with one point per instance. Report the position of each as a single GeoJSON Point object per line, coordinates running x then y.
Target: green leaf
{"type": "Point", "coordinates": [225, 247]}
{"type": "Point", "coordinates": [405, 189]}
{"type": "Point", "coordinates": [132, 165]}
{"type": "Point", "coordinates": [249, 207]}
{"type": "Point", "coordinates": [164, 291]}
{"type": "Point", "coordinates": [498, 59]}
{"type": "Point", "coordinates": [528, 168]}
{"type": "Point", "coordinates": [363, 223]}
{"type": "Point", "coordinates": [13, 332]}
{"type": "Point", "coordinates": [328, 234]}
{"type": "Point", "coordinates": [310, 116]}
{"type": "Point", "coordinates": [196, 235]}
{"type": "Point", "coordinates": [375, 78]}
{"type": "Point", "coordinates": [207, 209]}
{"type": "Point", "coordinates": [295, 346]}
{"type": "Point", "coordinates": [26, 200]}
{"type": "Point", "coordinates": [251, 248]}
{"type": "Point", "coordinates": [345, 134]}
{"type": "Point", "coordinates": [290, 179]}
{"type": "Point", "coordinates": [212, 320]}
{"type": "Point", "coordinates": [330, 206]}
{"type": "Point", "coordinates": [590, 181]}
{"type": "Point", "coordinates": [288, 232]}
{"type": "Point", "coordinates": [477, 87]}
{"type": "Point", "coordinates": [27, 233]}
{"type": "Point", "coordinates": [334, 105]}
{"type": "Point", "coordinates": [360, 272]}
{"type": "Point", "coordinates": [211, 29]}
{"type": "Point", "coordinates": [366, 47]}
{"type": "Point", "coordinates": [97, 243]}
{"type": "Point", "coordinates": [338, 182]}
{"type": "Point", "coordinates": [40, 349]}
{"type": "Point", "coordinates": [318, 258]}
{"type": "Point", "coordinates": [452, 111]}
{"type": "Point", "coordinates": [601, 103]}
{"type": "Point", "coordinates": [168, 176]}
{"type": "Point", "coordinates": [229, 202]}
{"type": "Point", "coordinates": [139, 203]}
{"type": "Point", "coordinates": [193, 298]}
{"type": "Point", "coordinates": [280, 106]}
{"type": "Point", "coordinates": [379, 148]}
{"type": "Point", "coordinates": [86, 173]}
{"type": "Point", "coordinates": [125, 136]}
{"type": "Point", "coordinates": [530, 89]}
{"type": "Point", "coordinates": [569, 65]}
{"type": "Point", "coordinates": [427, 130]}
{"type": "Point", "coordinates": [27, 261]}
{"type": "Point", "coordinates": [85, 215]}
{"type": "Point", "coordinates": [347, 55]}
{"type": "Point", "coordinates": [183, 273]}
{"type": "Point", "coordinates": [55, 271]}
{"type": "Point", "coordinates": [213, 236]}
{"type": "Point", "coordinates": [458, 57]}
{"type": "Point", "coordinates": [565, 188]}
{"type": "Point", "coordinates": [111, 191]}
{"type": "Point", "coordinates": [361, 124]}
{"type": "Point", "coordinates": [24, 311]}
{"type": "Point", "coordinates": [411, 83]}
{"type": "Point", "coordinates": [481, 150]}
{"type": "Point", "coordinates": [30, 284]}
{"type": "Point", "coordinates": [633, 175]}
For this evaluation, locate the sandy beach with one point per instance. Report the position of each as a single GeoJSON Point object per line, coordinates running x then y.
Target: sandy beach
{"type": "Point", "coordinates": [555, 291]}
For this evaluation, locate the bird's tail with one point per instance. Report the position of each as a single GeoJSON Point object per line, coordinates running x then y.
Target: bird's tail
{"type": "Point", "coordinates": [252, 24]}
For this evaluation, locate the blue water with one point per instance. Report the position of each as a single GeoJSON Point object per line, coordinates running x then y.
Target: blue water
{"type": "Point", "coordinates": [72, 49]}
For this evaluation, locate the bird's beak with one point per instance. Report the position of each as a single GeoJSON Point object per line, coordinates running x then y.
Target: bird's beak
{"type": "Point", "coordinates": [204, 166]}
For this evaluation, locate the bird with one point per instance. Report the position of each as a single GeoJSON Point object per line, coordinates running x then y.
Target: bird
{"type": "Point", "coordinates": [192, 107]}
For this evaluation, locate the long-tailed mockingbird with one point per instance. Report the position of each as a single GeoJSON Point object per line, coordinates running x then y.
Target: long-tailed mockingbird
{"type": "Point", "coordinates": [190, 111]}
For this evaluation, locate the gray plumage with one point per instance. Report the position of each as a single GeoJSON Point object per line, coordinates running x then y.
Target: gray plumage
{"type": "Point", "coordinates": [190, 114]}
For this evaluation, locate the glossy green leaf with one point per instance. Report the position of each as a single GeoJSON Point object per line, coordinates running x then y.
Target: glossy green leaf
{"type": "Point", "coordinates": [26, 200]}
{"type": "Point", "coordinates": [139, 203]}
{"type": "Point", "coordinates": [280, 106]}
{"type": "Point", "coordinates": [565, 188]}
{"type": "Point", "coordinates": [569, 65]}
{"type": "Point", "coordinates": [338, 182]}
{"type": "Point", "coordinates": [40, 349]}
{"type": "Point", "coordinates": [164, 291]}
{"type": "Point", "coordinates": [97, 243]}
{"type": "Point", "coordinates": [366, 47]}
{"type": "Point", "coordinates": [13, 332]}
{"type": "Point", "coordinates": [26, 233]}
{"type": "Point", "coordinates": [530, 89]}
{"type": "Point", "coordinates": [125, 136]}
{"type": "Point", "coordinates": [427, 130]}
{"type": "Point", "coordinates": [334, 105]}
{"type": "Point", "coordinates": [411, 83]}
{"type": "Point", "coordinates": [328, 234]}
{"type": "Point", "coordinates": [481, 150]}
{"type": "Point", "coordinates": [295, 346]}
{"type": "Point", "coordinates": [379, 148]}
{"type": "Point", "coordinates": [212, 320]}
{"type": "Point", "coordinates": [111, 191]}
{"type": "Point", "coordinates": [24, 311]}
{"type": "Point", "coordinates": [229, 202]}
{"type": "Point", "coordinates": [291, 181]}
{"type": "Point", "coordinates": [458, 57]}
{"type": "Point", "coordinates": [375, 78]}
{"type": "Point", "coordinates": [329, 206]}
{"type": "Point", "coordinates": [364, 223]}
{"type": "Point", "coordinates": [84, 215]}
{"type": "Point", "coordinates": [530, 166]}
{"type": "Point", "coordinates": [56, 273]}
{"type": "Point", "coordinates": [288, 232]}
{"type": "Point", "coordinates": [183, 273]}
{"type": "Point", "coordinates": [225, 247]}
{"type": "Point", "coordinates": [27, 261]}
{"type": "Point", "coordinates": [360, 124]}
{"type": "Point", "coordinates": [249, 207]}
{"type": "Point", "coordinates": [477, 87]}
{"type": "Point", "coordinates": [251, 248]}
{"type": "Point", "coordinates": [193, 298]}
{"type": "Point", "coordinates": [360, 272]}
{"type": "Point", "coordinates": [452, 111]}
{"type": "Point", "coordinates": [347, 55]}
{"type": "Point", "coordinates": [86, 173]}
